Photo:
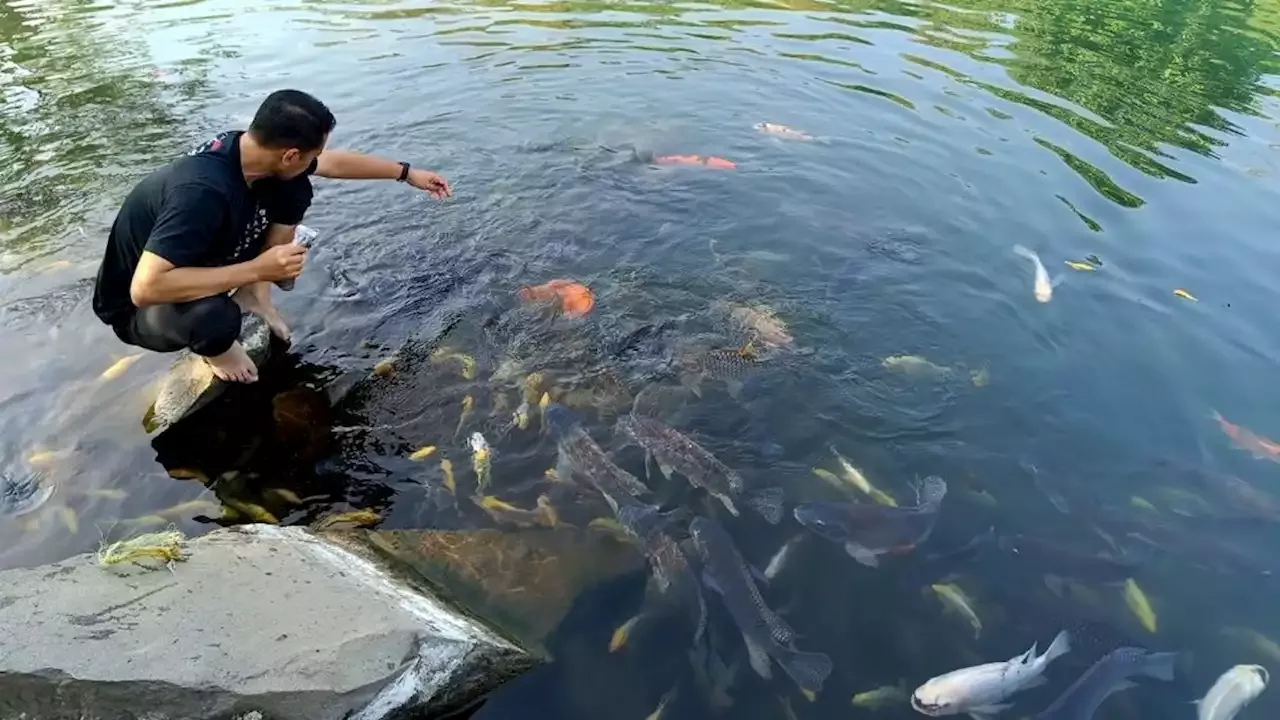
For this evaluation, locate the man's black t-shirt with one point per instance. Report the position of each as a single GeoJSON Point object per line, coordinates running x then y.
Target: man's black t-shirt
{"type": "Point", "coordinates": [197, 211]}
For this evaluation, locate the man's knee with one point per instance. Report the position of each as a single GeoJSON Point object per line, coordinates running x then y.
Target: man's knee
{"type": "Point", "coordinates": [213, 324]}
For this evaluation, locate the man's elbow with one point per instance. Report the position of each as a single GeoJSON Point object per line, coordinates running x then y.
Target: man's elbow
{"type": "Point", "coordinates": [143, 293]}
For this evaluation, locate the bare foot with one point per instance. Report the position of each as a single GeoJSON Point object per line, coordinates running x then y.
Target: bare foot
{"type": "Point", "coordinates": [233, 365]}
{"type": "Point", "coordinates": [256, 299]}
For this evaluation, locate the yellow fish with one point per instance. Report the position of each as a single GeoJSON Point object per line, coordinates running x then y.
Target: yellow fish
{"type": "Point", "coordinates": [468, 404]}
{"type": "Point", "coordinates": [1261, 643]}
{"type": "Point", "coordinates": [42, 458]}
{"type": "Point", "coordinates": [854, 477]}
{"type": "Point", "coordinates": [282, 495]}
{"type": "Point", "coordinates": [467, 362]}
{"type": "Point", "coordinates": [70, 519]}
{"type": "Point", "coordinates": [1179, 292]}
{"type": "Point", "coordinates": [1141, 503]}
{"type": "Point", "coordinates": [623, 633]}
{"type": "Point", "coordinates": [954, 600]}
{"type": "Point", "coordinates": [502, 511]}
{"type": "Point", "coordinates": [610, 527]}
{"type": "Point", "coordinates": [662, 704]}
{"type": "Point", "coordinates": [1083, 267]}
{"type": "Point", "coordinates": [446, 469]}
{"type": "Point", "coordinates": [422, 453]}
{"type": "Point", "coordinates": [385, 367]}
{"type": "Point", "coordinates": [520, 418]}
{"type": "Point", "coordinates": [253, 511]}
{"type": "Point", "coordinates": [347, 520]}
{"type": "Point", "coordinates": [119, 367]}
{"type": "Point", "coordinates": [882, 697]}
{"type": "Point", "coordinates": [1139, 605]}
{"type": "Point", "coordinates": [188, 474]}
{"type": "Point", "coordinates": [192, 508]}
{"type": "Point", "coordinates": [980, 378]}
{"type": "Point", "coordinates": [548, 516]}
{"type": "Point", "coordinates": [106, 493]}
{"type": "Point", "coordinates": [532, 386]}
{"type": "Point", "coordinates": [144, 521]}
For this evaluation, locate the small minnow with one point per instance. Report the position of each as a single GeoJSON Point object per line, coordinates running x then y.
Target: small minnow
{"type": "Point", "coordinates": [1082, 267]}
{"type": "Point", "coordinates": [1179, 292]}
{"type": "Point", "coordinates": [710, 161]}
{"type": "Point", "coordinates": [480, 457]}
{"type": "Point", "coordinates": [780, 558]}
{"type": "Point", "coordinates": [882, 697]}
{"type": "Point", "coordinates": [954, 600]}
{"type": "Point", "coordinates": [422, 453]}
{"type": "Point", "coordinates": [446, 469]}
{"type": "Point", "coordinates": [782, 131]}
{"type": "Point", "coordinates": [468, 404]}
{"type": "Point", "coordinates": [119, 367]}
{"type": "Point", "coordinates": [623, 633]}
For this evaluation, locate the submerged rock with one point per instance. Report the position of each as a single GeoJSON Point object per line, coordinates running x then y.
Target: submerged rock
{"type": "Point", "coordinates": [190, 384]}
{"type": "Point", "coordinates": [258, 618]}
{"type": "Point", "coordinates": [522, 581]}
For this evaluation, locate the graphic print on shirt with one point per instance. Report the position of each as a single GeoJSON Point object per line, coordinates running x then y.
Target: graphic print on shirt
{"type": "Point", "coordinates": [251, 236]}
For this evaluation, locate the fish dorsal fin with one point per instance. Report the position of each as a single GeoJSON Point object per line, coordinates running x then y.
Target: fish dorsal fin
{"type": "Point", "coordinates": [1029, 656]}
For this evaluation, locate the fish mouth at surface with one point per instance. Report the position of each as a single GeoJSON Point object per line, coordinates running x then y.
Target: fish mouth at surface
{"type": "Point", "coordinates": [927, 708]}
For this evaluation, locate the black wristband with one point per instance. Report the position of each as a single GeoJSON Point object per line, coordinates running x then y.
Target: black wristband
{"type": "Point", "coordinates": [404, 172]}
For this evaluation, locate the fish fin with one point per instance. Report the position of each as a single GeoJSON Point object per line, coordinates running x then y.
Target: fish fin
{"type": "Point", "coordinates": [728, 504]}
{"type": "Point", "coordinates": [1159, 665]}
{"type": "Point", "coordinates": [861, 554]}
{"type": "Point", "coordinates": [1060, 646]}
{"type": "Point", "coordinates": [809, 670]}
{"type": "Point", "coordinates": [648, 465]}
{"type": "Point", "coordinates": [758, 574]}
{"type": "Point", "coordinates": [1055, 282]}
{"type": "Point", "coordinates": [1124, 685]}
{"type": "Point", "coordinates": [692, 383]}
{"type": "Point", "coordinates": [665, 469]}
{"type": "Point", "coordinates": [1034, 682]}
{"type": "Point", "coordinates": [986, 712]}
{"type": "Point", "coordinates": [564, 469]}
{"type": "Point", "coordinates": [767, 502]}
{"type": "Point", "coordinates": [733, 386]}
{"type": "Point", "coordinates": [1029, 655]}
{"type": "Point", "coordinates": [779, 628]}
{"type": "Point", "coordinates": [1055, 585]}
{"type": "Point", "coordinates": [759, 659]}
{"type": "Point", "coordinates": [711, 582]}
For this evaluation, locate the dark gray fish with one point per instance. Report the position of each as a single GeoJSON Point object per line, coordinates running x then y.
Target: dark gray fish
{"type": "Point", "coordinates": [1039, 557]}
{"type": "Point", "coordinates": [675, 452]}
{"type": "Point", "coordinates": [868, 531]}
{"type": "Point", "coordinates": [581, 457]}
{"type": "Point", "coordinates": [731, 366]}
{"type": "Point", "coordinates": [1107, 676]}
{"type": "Point", "coordinates": [667, 562]}
{"type": "Point", "coordinates": [22, 494]}
{"type": "Point", "coordinates": [1048, 489]}
{"type": "Point", "coordinates": [765, 634]}
{"type": "Point", "coordinates": [1240, 497]}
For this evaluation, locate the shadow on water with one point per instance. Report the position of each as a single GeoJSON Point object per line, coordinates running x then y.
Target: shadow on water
{"type": "Point", "coordinates": [1076, 436]}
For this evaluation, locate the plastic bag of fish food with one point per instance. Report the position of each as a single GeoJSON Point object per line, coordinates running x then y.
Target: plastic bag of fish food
{"type": "Point", "coordinates": [303, 236]}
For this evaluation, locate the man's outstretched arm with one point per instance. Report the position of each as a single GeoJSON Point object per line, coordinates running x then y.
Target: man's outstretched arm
{"type": "Point", "coordinates": [350, 165]}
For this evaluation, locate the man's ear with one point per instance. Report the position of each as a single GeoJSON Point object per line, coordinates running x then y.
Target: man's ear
{"type": "Point", "coordinates": [290, 157]}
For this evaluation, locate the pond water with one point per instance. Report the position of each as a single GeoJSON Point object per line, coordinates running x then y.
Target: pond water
{"type": "Point", "coordinates": [937, 137]}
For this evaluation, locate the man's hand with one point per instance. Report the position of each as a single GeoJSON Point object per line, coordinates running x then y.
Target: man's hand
{"type": "Point", "coordinates": [280, 262]}
{"type": "Point", "coordinates": [429, 182]}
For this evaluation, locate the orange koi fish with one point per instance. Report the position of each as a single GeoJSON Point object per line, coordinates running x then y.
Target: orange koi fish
{"type": "Point", "coordinates": [1248, 440]}
{"type": "Point", "coordinates": [710, 161]}
{"type": "Point", "coordinates": [575, 299]}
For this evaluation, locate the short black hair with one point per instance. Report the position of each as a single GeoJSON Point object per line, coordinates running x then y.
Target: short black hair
{"type": "Point", "coordinates": [290, 119]}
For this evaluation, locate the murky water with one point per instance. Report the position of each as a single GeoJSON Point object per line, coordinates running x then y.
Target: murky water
{"type": "Point", "coordinates": [941, 135]}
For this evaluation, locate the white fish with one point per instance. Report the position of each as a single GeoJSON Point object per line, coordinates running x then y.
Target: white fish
{"type": "Point", "coordinates": [780, 558]}
{"type": "Point", "coordinates": [1234, 689]}
{"type": "Point", "coordinates": [982, 689]}
{"type": "Point", "coordinates": [1043, 286]}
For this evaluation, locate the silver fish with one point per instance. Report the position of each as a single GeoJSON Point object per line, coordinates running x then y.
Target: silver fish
{"type": "Point", "coordinates": [868, 531]}
{"type": "Point", "coordinates": [580, 456]}
{"type": "Point", "coordinates": [766, 635]}
{"type": "Point", "coordinates": [1234, 690]}
{"type": "Point", "coordinates": [675, 452]}
{"type": "Point", "coordinates": [982, 689]}
{"type": "Point", "coordinates": [780, 559]}
{"type": "Point", "coordinates": [1107, 676]}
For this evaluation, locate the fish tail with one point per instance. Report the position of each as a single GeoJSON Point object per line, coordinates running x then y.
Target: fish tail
{"type": "Point", "coordinates": [1060, 646]}
{"type": "Point", "coordinates": [1159, 665]}
{"type": "Point", "coordinates": [809, 670]}
{"type": "Point", "coordinates": [1026, 253]}
{"type": "Point", "coordinates": [767, 502]}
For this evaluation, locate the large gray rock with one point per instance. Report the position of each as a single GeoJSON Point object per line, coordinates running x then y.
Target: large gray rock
{"type": "Point", "coordinates": [259, 618]}
{"type": "Point", "coordinates": [190, 384]}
